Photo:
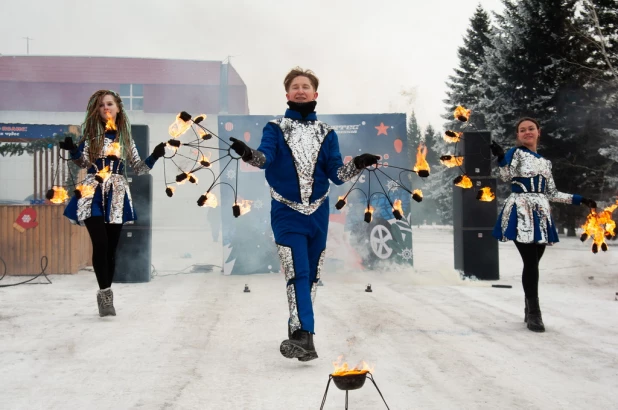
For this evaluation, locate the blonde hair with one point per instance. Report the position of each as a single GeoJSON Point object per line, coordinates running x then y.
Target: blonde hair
{"type": "Point", "coordinates": [299, 72]}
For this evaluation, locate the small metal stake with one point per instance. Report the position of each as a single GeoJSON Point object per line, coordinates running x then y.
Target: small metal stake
{"type": "Point", "coordinates": [368, 288]}
{"type": "Point", "coordinates": [247, 290]}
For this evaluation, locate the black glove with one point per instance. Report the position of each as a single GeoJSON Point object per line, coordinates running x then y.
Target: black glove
{"type": "Point", "coordinates": [365, 160]}
{"type": "Point", "coordinates": [497, 150]}
{"type": "Point", "coordinates": [68, 144]}
{"type": "Point", "coordinates": [589, 203]}
{"type": "Point", "coordinates": [159, 151]}
{"type": "Point", "coordinates": [241, 149]}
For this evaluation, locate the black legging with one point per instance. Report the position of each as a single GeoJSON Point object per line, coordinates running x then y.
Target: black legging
{"type": "Point", "coordinates": [531, 254]}
{"type": "Point", "coordinates": [104, 239]}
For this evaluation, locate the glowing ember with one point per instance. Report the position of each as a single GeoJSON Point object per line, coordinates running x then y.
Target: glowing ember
{"type": "Point", "coordinates": [181, 125]}
{"type": "Point", "coordinates": [199, 118]}
{"type": "Point", "coordinates": [204, 134]}
{"type": "Point", "coordinates": [103, 174]}
{"type": "Point", "coordinates": [369, 213]}
{"type": "Point", "coordinates": [462, 114]}
{"type": "Point", "coordinates": [208, 199]}
{"type": "Point", "coordinates": [451, 160]}
{"type": "Point", "coordinates": [397, 210]}
{"type": "Point", "coordinates": [174, 144]}
{"type": "Point", "coordinates": [485, 194]}
{"type": "Point", "coordinates": [110, 125]}
{"type": "Point", "coordinates": [169, 191]}
{"type": "Point", "coordinates": [452, 136]}
{"type": "Point", "coordinates": [58, 196]}
{"type": "Point", "coordinates": [463, 181]}
{"type": "Point", "coordinates": [340, 203]}
{"type": "Point", "coordinates": [417, 195]}
{"type": "Point", "coordinates": [113, 150]}
{"type": "Point", "coordinates": [422, 166]}
{"type": "Point", "coordinates": [205, 160]}
{"type": "Point", "coordinates": [342, 369]}
{"type": "Point", "coordinates": [600, 226]}
{"type": "Point", "coordinates": [85, 190]}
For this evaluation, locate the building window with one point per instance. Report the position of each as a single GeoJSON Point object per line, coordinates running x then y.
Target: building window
{"type": "Point", "coordinates": [132, 96]}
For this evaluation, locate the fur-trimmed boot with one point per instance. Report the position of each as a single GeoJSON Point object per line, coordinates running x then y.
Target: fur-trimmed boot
{"type": "Point", "coordinates": [300, 346]}
{"type": "Point", "coordinates": [105, 300]}
{"type": "Point", "coordinates": [535, 320]}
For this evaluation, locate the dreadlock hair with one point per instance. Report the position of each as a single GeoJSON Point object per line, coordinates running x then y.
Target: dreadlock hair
{"type": "Point", "coordinates": [93, 128]}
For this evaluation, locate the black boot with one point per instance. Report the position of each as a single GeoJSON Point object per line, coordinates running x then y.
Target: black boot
{"type": "Point", "coordinates": [300, 346]}
{"type": "Point", "coordinates": [309, 355]}
{"type": "Point", "coordinates": [535, 321]}
{"type": "Point", "coordinates": [526, 312]}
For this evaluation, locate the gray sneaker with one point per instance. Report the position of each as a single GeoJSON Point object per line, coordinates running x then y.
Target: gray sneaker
{"type": "Point", "coordinates": [105, 300]}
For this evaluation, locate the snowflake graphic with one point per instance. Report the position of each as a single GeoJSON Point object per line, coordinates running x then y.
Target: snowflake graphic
{"type": "Point", "coordinates": [26, 218]}
{"type": "Point", "coordinates": [394, 185]}
{"type": "Point", "coordinates": [231, 174]}
{"type": "Point", "coordinates": [258, 204]}
{"type": "Point", "coordinates": [406, 254]}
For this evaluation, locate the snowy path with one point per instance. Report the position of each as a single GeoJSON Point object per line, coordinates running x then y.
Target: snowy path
{"type": "Point", "coordinates": [196, 341]}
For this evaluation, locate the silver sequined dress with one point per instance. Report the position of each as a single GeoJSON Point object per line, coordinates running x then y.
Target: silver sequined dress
{"type": "Point", "coordinates": [526, 215]}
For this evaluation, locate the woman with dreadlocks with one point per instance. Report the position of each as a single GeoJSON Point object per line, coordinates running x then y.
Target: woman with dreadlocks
{"type": "Point", "coordinates": [103, 201]}
{"type": "Point", "coordinates": [526, 218]}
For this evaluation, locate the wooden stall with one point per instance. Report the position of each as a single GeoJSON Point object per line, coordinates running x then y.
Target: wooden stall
{"type": "Point", "coordinates": [66, 246]}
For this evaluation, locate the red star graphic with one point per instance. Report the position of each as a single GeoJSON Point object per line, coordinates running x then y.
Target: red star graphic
{"type": "Point", "coordinates": [382, 129]}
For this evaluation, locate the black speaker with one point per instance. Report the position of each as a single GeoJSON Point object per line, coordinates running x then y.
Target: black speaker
{"type": "Point", "coordinates": [141, 136]}
{"type": "Point", "coordinates": [469, 212]}
{"type": "Point", "coordinates": [476, 253]}
{"type": "Point", "coordinates": [476, 250]}
{"type": "Point", "coordinates": [141, 194]}
{"type": "Point", "coordinates": [476, 152]}
{"type": "Point", "coordinates": [133, 255]}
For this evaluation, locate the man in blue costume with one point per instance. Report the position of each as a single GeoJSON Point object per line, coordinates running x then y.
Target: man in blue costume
{"type": "Point", "coordinates": [300, 155]}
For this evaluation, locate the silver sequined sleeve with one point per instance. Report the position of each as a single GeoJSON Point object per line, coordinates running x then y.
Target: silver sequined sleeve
{"type": "Point", "coordinates": [258, 159]}
{"type": "Point", "coordinates": [508, 171]}
{"type": "Point", "coordinates": [136, 162]}
{"type": "Point", "coordinates": [84, 159]}
{"type": "Point", "coordinates": [348, 171]}
{"type": "Point", "coordinates": [552, 192]}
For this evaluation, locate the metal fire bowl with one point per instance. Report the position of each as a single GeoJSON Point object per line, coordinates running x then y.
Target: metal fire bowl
{"type": "Point", "coordinates": [350, 382]}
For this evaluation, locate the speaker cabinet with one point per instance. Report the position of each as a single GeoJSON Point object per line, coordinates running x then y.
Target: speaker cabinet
{"type": "Point", "coordinates": [476, 250]}
{"type": "Point", "coordinates": [133, 255]}
{"type": "Point", "coordinates": [477, 154]}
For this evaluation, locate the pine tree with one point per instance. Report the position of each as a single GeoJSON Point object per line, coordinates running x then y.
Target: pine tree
{"type": "Point", "coordinates": [438, 189]}
{"type": "Point", "coordinates": [463, 86]}
{"type": "Point", "coordinates": [536, 67]}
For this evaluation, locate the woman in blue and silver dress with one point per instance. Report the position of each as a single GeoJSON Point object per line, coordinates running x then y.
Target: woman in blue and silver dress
{"type": "Point", "coordinates": [526, 216]}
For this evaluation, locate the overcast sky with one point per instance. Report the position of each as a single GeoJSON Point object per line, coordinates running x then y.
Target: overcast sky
{"type": "Point", "coordinates": [364, 52]}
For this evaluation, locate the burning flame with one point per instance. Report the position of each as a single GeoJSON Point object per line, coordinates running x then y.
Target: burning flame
{"type": "Point", "coordinates": [485, 194]}
{"type": "Point", "coordinates": [113, 150]}
{"type": "Point", "coordinates": [110, 125]}
{"type": "Point", "coordinates": [104, 174]}
{"type": "Point", "coordinates": [417, 195]}
{"type": "Point", "coordinates": [463, 181]}
{"type": "Point", "coordinates": [173, 144]}
{"type": "Point", "coordinates": [60, 195]}
{"type": "Point", "coordinates": [180, 125]}
{"type": "Point", "coordinates": [199, 118]}
{"type": "Point", "coordinates": [186, 176]}
{"type": "Point", "coordinates": [462, 114]}
{"type": "Point", "coordinates": [245, 205]}
{"type": "Point", "coordinates": [452, 136]}
{"type": "Point", "coordinates": [342, 369]}
{"type": "Point", "coordinates": [209, 200]}
{"type": "Point", "coordinates": [397, 206]}
{"type": "Point", "coordinates": [205, 160]}
{"type": "Point", "coordinates": [451, 160]}
{"type": "Point", "coordinates": [600, 226]}
{"type": "Point", "coordinates": [422, 166]}
{"type": "Point", "coordinates": [85, 190]}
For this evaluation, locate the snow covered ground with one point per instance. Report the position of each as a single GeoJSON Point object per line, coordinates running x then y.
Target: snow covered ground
{"type": "Point", "coordinates": [197, 341]}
